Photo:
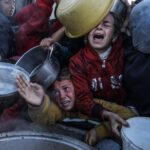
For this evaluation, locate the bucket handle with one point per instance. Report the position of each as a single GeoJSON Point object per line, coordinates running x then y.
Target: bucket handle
{"type": "Point", "coordinates": [50, 51]}
{"type": "Point", "coordinates": [52, 47]}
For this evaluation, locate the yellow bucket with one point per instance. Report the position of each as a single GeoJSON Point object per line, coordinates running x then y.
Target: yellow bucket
{"type": "Point", "coordinates": [81, 16]}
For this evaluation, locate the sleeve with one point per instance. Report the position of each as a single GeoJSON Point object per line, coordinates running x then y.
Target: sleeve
{"type": "Point", "coordinates": [103, 130]}
{"type": "Point", "coordinates": [84, 97]}
{"type": "Point", "coordinates": [47, 113]}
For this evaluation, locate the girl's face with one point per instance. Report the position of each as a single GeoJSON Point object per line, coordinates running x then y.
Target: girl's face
{"type": "Point", "coordinates": [101, 37]}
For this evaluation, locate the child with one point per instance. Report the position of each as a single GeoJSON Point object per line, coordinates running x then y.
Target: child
{"type": "Point", "coordinates": [97, 69]}
{"type": "Point", "coordinates": [47, 111]}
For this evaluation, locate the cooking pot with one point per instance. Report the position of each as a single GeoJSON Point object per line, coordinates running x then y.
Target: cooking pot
{"type": "Point", "coordinates": [42, 66]}
{"type": "Point", "coordinates": [46, 73]}
{"type": "Point", "coordinates": [32, 58]}
{"type": "Point", "coordinates": [8, 87]}
{"type": "Point", "coordinates": [40, 141]}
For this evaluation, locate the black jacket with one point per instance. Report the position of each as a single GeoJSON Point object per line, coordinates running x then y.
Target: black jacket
{"type": "Point", "coordinates": [137, 79]}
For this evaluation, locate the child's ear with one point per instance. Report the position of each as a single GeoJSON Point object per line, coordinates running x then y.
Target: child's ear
{"type": "Point", "coordinates": [114, 38]}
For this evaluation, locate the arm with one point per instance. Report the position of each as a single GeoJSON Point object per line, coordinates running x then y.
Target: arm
{"type": "Point", "coordinates": [47, 113]}
{"type": "Point", "coordinates": [47, 42]}
{"type": "Point", "coordinates": [106, 129]}
{"type": "Point", "coordinates": [41, 109]}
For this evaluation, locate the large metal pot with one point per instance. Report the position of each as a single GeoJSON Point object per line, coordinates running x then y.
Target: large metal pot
{"type": "Point", "coordinates": [39, 141]}
{"type": "Point", "coordinates": [42, 66]}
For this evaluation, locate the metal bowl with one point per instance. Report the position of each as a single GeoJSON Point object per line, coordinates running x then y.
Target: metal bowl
{"type": "Point", "coordinates": [8, 76]}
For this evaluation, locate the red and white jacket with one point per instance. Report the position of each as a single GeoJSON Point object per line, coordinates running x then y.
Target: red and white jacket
{"type": "Point", "coordinates": [93, 77]}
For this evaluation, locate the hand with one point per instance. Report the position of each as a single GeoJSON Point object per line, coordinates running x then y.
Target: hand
{"type": "Point", "coordinates": [31, 92]}
{"type": "Point", "coordinates": [116, 122]}
{"type": "Point", "coordinates": [47, 42]}
{"type": "Point", "coordinates": [91, 137]}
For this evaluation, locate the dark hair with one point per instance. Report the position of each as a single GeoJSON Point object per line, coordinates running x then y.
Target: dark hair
{"type": "Point", "coordinates": [64, 75]}
{"type": "Point", "coordinates": [118, 22]}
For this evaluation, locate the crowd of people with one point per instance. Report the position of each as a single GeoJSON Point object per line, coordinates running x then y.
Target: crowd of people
{"type": "Point", "coordinates": [104, 71]}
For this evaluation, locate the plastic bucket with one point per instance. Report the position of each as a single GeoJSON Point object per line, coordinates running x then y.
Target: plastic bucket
{"type": "Point", "coordinates": [137, 136]}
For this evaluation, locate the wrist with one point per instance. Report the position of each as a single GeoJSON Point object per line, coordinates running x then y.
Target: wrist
{"type": "Point", "coordinates": [106, 114]}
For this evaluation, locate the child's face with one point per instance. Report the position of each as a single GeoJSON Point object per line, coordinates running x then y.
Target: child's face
{"type": "Point", "coordinates": [6, 7]}
{"type": "Point", "coordinates": [64, 91]}
{"type": "Point", "coordinates": [101, 37]}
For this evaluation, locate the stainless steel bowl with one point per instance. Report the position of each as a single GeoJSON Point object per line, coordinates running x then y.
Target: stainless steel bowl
{"type": "Point", "coordinates": [8, 74]}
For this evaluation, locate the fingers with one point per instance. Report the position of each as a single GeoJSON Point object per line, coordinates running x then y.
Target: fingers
{"type": "Point", "coordinates": [91, 137]}
{"type": "Point", "coordinates": [36, 86]}
{"type": "Point", "coordinates": [117, 123]}
{"type": "Point", "coordinates": [87, 137]}
{"type": "Point", "coordinates": [47, 42]}
{"type": "Point", "coordinates": [21, 82]}
{"type": "Point", "coordinates": [22, 85]}
{"type": "Point", "coordinates": [122, 121]}
{"type": "Point", "coordinates": [116, 130]}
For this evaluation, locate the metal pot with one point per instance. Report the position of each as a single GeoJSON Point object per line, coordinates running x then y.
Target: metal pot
{"type": "Point", "coordinates": [46, 73]}
{"type": "Point", "coordinates": [43, 67]}
{"type": "Point", "coordinates": [32, 58]}
{"type": "Point", "coordinates": [39, 141]}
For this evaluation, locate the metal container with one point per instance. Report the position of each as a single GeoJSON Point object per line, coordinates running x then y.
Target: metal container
{"type": "Point", "coordinates": [42, 66]}
{"type": "Point", "coordinates": [28, 140]}
{"type": "Point", "coordinates": [8, 74]}
{"type": "Point", "coordinates": [32, 58]}
{"type": "Point", "coordinates": [46, 73]}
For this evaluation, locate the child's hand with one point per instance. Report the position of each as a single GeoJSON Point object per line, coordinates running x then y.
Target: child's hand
{"type": "Point", "coordinates": [116, 122]}
{"type": "Point", "coordinates": [91, 137]}
{"type": "Point", "coordinates": [47, 42]}
{"type": "Point", "coordinates": [31, 92]}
